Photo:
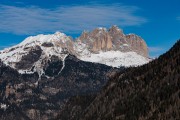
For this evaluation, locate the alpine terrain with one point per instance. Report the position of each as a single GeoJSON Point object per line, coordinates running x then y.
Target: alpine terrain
{"type": "Point", "coordinates": [110, 47]}
{"type": "Point", "coordinates": [43, 73]}
{"type": "Point", "coordinates": [149, 92]}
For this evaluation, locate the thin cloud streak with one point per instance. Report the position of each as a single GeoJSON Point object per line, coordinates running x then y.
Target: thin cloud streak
{"type": "Point", "coordinates": [156, 49]}
{"type": "Point", "coordinates": [70, 19]}
{"type": "Point", "coordinates": [178, 18]}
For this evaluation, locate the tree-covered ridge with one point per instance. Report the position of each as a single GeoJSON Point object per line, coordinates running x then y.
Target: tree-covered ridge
{"type": "Point", "coordinates": [149, 92]}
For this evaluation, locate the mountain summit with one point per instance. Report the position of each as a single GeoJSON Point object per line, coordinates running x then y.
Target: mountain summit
{"type": "Point", "coordinates": [111, 47]}
{"type": "Point", "coordinates": [114, 39]}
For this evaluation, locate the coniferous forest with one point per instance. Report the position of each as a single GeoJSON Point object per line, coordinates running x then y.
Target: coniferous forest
{"type": "Point", "coordinates": [149, 92]}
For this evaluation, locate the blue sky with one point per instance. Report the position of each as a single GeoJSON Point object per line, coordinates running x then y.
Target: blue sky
{"type": "Point", "coordinates": [157, 22]}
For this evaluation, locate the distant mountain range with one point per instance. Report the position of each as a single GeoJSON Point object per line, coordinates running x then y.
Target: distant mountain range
{"type": "Point", "coordinates": [110, 47]}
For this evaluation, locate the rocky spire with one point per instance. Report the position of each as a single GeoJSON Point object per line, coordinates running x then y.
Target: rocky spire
{"type": "Point", "coordinates": [101, 39]}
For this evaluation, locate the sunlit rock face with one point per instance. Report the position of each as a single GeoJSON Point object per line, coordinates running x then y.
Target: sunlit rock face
{"type": "Point", "coordinates": [114, 39]}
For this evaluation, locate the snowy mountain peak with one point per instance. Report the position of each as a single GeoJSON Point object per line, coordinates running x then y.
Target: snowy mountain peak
{"type": "Point", "coordinates": [34, 52]}
{"type": "Point", "coordinates": [115, 28]}
{"type": "Point", "coordinates": [40, 39]}
{"type": "Point", "coordinates": [102, 29]}
{"type": "Point", "coordinates": [111, 47]}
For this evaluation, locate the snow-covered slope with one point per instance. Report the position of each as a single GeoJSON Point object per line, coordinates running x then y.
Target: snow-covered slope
{"type": "Point", "coordinates": [35, 52]}
{"type": "Point", "coordinates": [111, 58]}
{"type": "Point", "coordinates": [116, 58]}
{"type": "Point", "coordinates": [44, 45]}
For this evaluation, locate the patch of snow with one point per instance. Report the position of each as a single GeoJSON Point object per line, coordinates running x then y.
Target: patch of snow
{"type": "Point", "coordinates": [13, 55]}
{"type": "Point", "coordinates": [117, 58]}
{"type": "Point", "coordinates": [81, 48]}
{"type": "Point", "coordinates": [126, 45]}
{"type": "Point", "coordinates": [36, 83]}
{"type": "Point", "coordinates": [3, 106]}
{"type": "Point", "coordinates": [102, 28]}
{"type": "Point", "coordinates": [131, 34]}
{"type": "Point", "coordinates": [25, 72]}
{"type": "Point", "coordinates": [40, 39]}
{"type": "Point", "coordinates": [117, 28]}
{"type": "Point", "coordinates": [63, 63]}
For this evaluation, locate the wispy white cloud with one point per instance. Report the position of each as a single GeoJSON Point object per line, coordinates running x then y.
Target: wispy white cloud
{"type": "Point", "coordinates": [71, 19]}
{"type": "Point", "coordinates": [178, 18]}
{"type": "Point", "coordinates": [155, 49]}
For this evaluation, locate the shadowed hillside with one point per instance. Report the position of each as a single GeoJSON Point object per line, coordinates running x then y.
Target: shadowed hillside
{"type": "Point", "coordinates": [23, 98]}
{"type": "Point", "coordinates": [150, 92]}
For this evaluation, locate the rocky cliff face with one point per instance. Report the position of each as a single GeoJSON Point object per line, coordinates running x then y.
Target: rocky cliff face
{"type": "Point", "coordinates": [97, 40]}
{"type": "Point", "coordinates": [137, 44]}
{"type": "Point", "coordinates": [114, 39]}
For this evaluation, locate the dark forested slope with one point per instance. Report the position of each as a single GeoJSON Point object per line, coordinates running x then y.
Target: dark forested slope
{"type": "Point", "coordinates": [149, 92]}
{"type": "Point", "coordinates": [25, 96]}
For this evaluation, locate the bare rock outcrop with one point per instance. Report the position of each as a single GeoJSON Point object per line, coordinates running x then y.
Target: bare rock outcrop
{"type": "Point", "coordinates": [97, 40]}
{"type": "Point", "coordinates": [137, 44]}
{"type": "Point", "coordinates": [102, 39]}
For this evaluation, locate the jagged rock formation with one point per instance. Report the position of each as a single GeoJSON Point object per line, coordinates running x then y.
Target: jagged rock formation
{"type": "Point", "coordinates": [114, 39]}
{"type": "Point", "coordinates": [110, 47]}
{"type": "Point", "coordinates": [149, 92]}
{"type": "Point", "coordinates": [97, 40]}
